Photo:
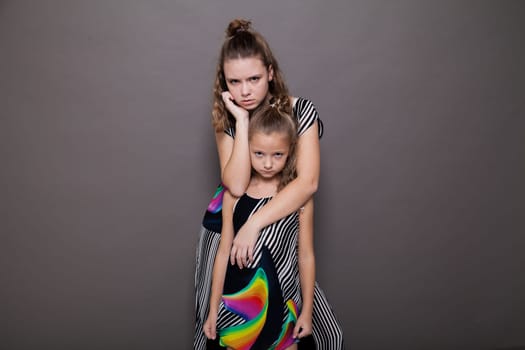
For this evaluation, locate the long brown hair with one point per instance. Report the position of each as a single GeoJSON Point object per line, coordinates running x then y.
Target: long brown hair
{"type": "Point", "coordinates": [274, 118]}
{"type": "Point", "coordinates": [243, 42]}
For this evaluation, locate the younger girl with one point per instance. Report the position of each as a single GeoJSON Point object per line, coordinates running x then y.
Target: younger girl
{"type": "Point", "coordinates": [267, 304]}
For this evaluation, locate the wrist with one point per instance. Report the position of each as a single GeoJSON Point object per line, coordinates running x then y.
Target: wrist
{"type": "Point", "coordinates": [214, 306]}
{"type": "Point", "coordinates": [306, 313]}
{"type": "Point", "coordinates": [255, 222]}
{"type": "Point", "coordinates": [242, 121]}
{"type": "Point", "coordinates": [307, 309]}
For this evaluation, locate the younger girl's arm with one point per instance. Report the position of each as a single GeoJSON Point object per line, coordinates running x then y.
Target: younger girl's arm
{"type": "Point", "coordinates": [306, 260]}
{"type": "Point", "coordinates": [289, 199]}
{"type": "Point", "coordinates": [219, 266]}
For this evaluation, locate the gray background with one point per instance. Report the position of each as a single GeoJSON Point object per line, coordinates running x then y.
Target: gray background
{"type": "Point", "coordinates": [108, 162]}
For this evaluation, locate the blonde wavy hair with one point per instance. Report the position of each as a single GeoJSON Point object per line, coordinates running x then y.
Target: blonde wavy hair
{"type": "Point", "coordinates": [272, 118]}
{"type": "Point", "coordinates": [243, 42]}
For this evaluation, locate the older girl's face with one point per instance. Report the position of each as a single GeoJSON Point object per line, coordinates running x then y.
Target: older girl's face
{"type": "Point", "coordinates": [247, 80]}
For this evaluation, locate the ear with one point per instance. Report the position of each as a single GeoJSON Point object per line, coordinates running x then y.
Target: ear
{"type": "Point", "coordinates": [270, 73]}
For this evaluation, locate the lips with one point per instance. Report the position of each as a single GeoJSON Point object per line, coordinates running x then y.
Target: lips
{"type": "Point", "coordinates": [247, 102]}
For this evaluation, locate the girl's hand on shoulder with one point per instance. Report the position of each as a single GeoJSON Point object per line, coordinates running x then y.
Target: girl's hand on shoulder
{"type": "Point", "coordinates": [303, 327]}
{"type": "Point", "coordinates": [243, 245]}
{"type": "Point", "coordinates": [210, 326]}
{"type": "Point", "coordinates": [238, 113]}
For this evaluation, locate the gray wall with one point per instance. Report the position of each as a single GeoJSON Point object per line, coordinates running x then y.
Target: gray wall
{"type": "Point", "coordinates": [108, 162]}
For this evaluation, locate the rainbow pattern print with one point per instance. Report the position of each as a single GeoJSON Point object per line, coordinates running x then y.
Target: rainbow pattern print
{"type": "Point", "coordinates": [215, 205]}
{"type": "Point", "coordinates": [251, 303]}
{"type": "Point", "coordinates": [286, 337]}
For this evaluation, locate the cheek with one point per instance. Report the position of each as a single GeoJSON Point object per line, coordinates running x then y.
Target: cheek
{"type": "Point", "coordinates": [232, 89]}
{"type": "Point", "coordinates": [263, 88]}
{"type": "Point", "coordinates": [282, 162]}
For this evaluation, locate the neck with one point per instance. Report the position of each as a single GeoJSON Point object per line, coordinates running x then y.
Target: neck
{"type": "Point", "coordinates": [263, 187]}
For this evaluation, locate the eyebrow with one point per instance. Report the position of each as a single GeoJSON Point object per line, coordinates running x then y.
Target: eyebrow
{"type": "Point", "coordinates": [249, 77]}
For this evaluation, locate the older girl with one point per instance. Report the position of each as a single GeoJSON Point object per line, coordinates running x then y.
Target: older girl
{"type": "Point", "coordinates": [248, 75]}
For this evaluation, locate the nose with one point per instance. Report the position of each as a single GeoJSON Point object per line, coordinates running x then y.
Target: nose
{"type": "Point", "coordinates": [267, 163]}
{"type": "Point", "coordinates": [245, 89]}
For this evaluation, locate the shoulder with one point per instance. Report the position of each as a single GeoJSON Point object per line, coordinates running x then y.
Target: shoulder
{"type": "Point", "coordinates": [306, 114]}
{"type": "Point", "coordinates": [300, 103]}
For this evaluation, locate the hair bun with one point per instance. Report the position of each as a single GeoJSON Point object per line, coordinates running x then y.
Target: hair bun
{"type": "Point", "coordinates": [238, 25]}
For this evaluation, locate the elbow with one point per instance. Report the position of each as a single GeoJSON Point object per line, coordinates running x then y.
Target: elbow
{"type": "Point", "coordinates": [236, 188]}
{"type": "Point", "coordinates": [310, 185]}
{"type": "Point", "coordinates": [309, 180]}
{"type": "Point", "coordinates": [236, 191]}
{"type": "Point", "coordinates": [314, 185]}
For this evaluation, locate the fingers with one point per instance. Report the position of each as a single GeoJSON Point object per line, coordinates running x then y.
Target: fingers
{"type": "Point", "coordinates": [242, 251]}
{"type": "Point", "coordinates": [236, 257]}
{"type": "Point", "coordinates": [240, 256]}
{"type": "Point", "coordinates": [227, 97]}
{"type": "Point", "coordinates": [233, 254]}
{"type": "Point", "coordinates": [239, 261]}
{"type": "Point", "coordinates": [296, 331]}
{"type": "Point", "coordinates": [213, 332]}
{"type": "Point", "coordinates": [250, 254]}
{"type": "Point", "coordinates": [235, 110]}
{"type": "Point", "coordinates": [209, 330]}
{"type": "Point", "coordinates": [302, 333]}
{"type": "Point", "coordinates": [243, 258]}
{"type": "Point", "coordinates": [301, 329]}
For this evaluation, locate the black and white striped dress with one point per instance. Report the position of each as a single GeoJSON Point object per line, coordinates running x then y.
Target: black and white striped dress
{"type": "Point", "coordinates": [326, 332]}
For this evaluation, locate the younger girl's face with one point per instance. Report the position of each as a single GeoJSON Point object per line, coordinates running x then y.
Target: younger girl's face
{"type": "Point", "coordinates": [247, 80]}
{"type": "Point", "coordinates": [268, 153]}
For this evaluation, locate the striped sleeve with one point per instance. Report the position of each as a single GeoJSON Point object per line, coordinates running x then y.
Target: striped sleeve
{"type": "Point", "coordinates": [230, 131]}
{"type": "Point", "coordinates": [307, 115]}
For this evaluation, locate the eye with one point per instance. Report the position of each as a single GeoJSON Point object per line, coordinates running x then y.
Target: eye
{"type": "Point", "coordinates": [233, 81]}
{"type": "Point", "coordinates": [278, 155]}
{"type": "Point", "coordinates": [255, 79]}
{"type": "Point", "coordinates": [258, 154]}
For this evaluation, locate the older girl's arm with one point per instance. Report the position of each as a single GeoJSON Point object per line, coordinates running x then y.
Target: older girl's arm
{"type": "Point", "coordinates": [289, 199]}
{"type": "Point", "coordinates": [234, 153]}
{"type": "Point", "coordinates": [234, 158]}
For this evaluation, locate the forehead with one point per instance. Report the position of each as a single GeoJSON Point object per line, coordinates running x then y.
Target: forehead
{"type": "Point", "coordinates": [243, 67]}
{"type": "Point", "coordinates": [272, 141]}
